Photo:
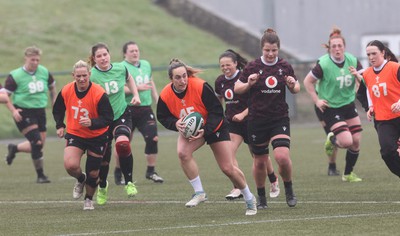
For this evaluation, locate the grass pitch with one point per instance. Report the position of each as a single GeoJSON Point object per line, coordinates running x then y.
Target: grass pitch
{"type": "Point", "coordinates": [327, 206]}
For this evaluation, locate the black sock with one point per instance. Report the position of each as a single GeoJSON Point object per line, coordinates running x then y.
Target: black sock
{"type": "Point", "coordinates": [82, 178]}
{"type": "Point", "coordinates": [150, 169]}
{"type": "Point", "coordinates": [332, 166]}
{"type": "Point", "coordinates": [261, 192]}
{"type": "Point", "coordinates": [351, 159]}
{"type": "Point", "coordinates": [103, 175]}
{"type": "Point", "coordinates": [272, 177]}
{"type": "Point", "coordinates": [39, 172]}
{"type": "Point", "coordinates": [16, 148]}
{"type": "Point", "coordinates": [288, 187]}
{"type": "Point", "coordinates": [126, 164]}
{"type": "Point", "coordinates": [88, 197]}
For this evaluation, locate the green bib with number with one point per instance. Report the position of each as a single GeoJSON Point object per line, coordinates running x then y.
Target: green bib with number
{"type": "Point", "coordinates": [337, 86]}
{"type": "Point", "coordinates": [31, 91]}
{"type": "Point", "coordinates": [141, 75]}
{"type": "Point", "coordinates": [113, 82]}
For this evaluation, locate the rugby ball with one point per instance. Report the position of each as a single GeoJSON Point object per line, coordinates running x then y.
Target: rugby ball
{"type": "Point", "coordinates": [193, 122]}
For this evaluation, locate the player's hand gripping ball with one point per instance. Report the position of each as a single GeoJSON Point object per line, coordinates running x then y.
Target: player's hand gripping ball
{"type": "Point", "coordinates": [193, 123]}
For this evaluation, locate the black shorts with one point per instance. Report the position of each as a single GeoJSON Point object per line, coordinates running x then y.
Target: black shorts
{"type": "Point", "coordinates": [332, 116]}
{"type": "Point", "coordinates": [144, 119]}
{"type": "Point", "coordinates": [318, 112]}
{"type": "Point", "coordinates": [96, 145]}
{"type": "Point", "coordinates": [32, 116]}
{"type": "Point", "coordinates": [222, 134]}
{"type": "Point", "coordinates": [124, 120]}
{"type": "Point", "coordinates": [260, 132]}
{"type": "Point", "coordinates": [239, 128]}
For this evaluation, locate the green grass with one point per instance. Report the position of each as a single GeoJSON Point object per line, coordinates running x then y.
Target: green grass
{"type": "Point", "coordinates": [327, 206]}
{"type": "Point", "coordinates": [66, 30]}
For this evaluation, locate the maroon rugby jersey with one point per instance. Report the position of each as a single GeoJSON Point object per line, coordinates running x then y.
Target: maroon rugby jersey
{"type": "Point", "coordinates": [234, 103]}
{"type": "Point", "coordinates": [267, 98]}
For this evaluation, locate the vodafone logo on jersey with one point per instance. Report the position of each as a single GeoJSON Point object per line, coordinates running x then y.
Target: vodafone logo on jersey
{"type": "Point", "coordinates": [229, 94]}
{"type": "Point", "coordinates": [271, 82]}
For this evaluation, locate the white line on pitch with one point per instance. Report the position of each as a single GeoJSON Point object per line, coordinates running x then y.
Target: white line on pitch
{"type": "Point", "coordinates": [207, 202]}
{"type": "Point", "coordinates": [236, 223]}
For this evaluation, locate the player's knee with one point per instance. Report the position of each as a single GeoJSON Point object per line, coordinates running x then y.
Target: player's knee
{"type": "Point", "coordinates": [122, 130]}
{"type": "Point", "coordinates": [35, 140]}
{"type": "Point", "coordinates": [184, 156]}
{"type": "Point", "coordinates": [260, 163]}
{"type": "Point", "coordinates": [92, 163]}
{"type": "Point", "coordinates": [92, 181]}
{"type": "Point", "coordinates": [259, 150]}
{"type": "Point", "coordinates": [151, 145]}
{"type": "Point", "coordinates": [71, 167]}
{"type": "Point", "coordinates": [228, 170]}
{"type": "Point", "coordinates": [37, 151]}
{"type": "Point", "coordinates": [123, 148]}
{"type": "Point", "coordinates": [92, 170]}
{"type": "Point", "coordinates": [280, 142]}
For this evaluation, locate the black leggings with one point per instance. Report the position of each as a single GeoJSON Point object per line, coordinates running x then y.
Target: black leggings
{"type": "Point", "coordinates": [388, 135]}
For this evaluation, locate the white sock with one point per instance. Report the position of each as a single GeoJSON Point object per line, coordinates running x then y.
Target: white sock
{"type": "Point", "coordinates": [247, 195]}
{"type": "Point", "coordinates": [196, 184]}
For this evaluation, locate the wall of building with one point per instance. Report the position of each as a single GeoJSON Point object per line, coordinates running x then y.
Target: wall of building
{"type": "Point", "coordinates": [235, 34]}
{"type": "Point", "coordinates": [303, 25]}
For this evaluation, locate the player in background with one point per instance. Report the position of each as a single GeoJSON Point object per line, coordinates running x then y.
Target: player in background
{"type": "Point", "coordinates": [382, 80]}
{"type": "Point", "coordinates": [29, 86]}
{"type": "Point", "coordinates": [143, 117]}
{"type": "Point", "coordinates": [333, 89]}
{"type": "Point", "coordinates": [113, 77]}
{"type": "Point", "coordinates": [362, 92]}
{"type": "Point", "coordinates": [236, 111]}
{"type": "Point", "coordinates": [185, 94]}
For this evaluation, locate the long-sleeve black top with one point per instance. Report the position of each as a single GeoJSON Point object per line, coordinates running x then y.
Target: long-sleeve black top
{"type": "Point", "coordinates": [211, 103]}
{"type": "Point", "coordinates": [105, 111]}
